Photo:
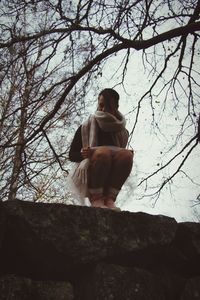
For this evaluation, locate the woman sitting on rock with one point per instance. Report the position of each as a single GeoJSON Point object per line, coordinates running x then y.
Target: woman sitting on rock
{"type": "Point", "coordinates": [99, 149]}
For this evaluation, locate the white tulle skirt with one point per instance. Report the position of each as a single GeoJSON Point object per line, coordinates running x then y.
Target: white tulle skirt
{"type": "Point", "coordinates": [77, 189]}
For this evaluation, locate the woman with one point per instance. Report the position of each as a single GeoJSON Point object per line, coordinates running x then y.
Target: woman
{"type": "Point", "coordinates": [99, 148]}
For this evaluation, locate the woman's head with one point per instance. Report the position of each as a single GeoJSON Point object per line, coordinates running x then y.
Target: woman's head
{"type": "Point", "coordinates": [108, 101]}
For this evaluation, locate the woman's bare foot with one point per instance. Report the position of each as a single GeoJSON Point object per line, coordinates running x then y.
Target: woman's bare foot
{"type": "Point", "coordinates": [97, 201]}
{"type": "Point", "coordinates": [110, 203]}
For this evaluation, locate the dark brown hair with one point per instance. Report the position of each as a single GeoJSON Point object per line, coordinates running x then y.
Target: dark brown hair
{"type": "Point", "coordinates": [108, 94]}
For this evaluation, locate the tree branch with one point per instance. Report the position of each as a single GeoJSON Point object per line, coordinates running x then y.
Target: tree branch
{"type": "Point", "coordinates": [54, 152]}
{"type": "Point", "coordinates": [138, 45]}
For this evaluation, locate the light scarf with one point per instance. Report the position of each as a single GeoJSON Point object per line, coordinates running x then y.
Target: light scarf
{"type": "Point", "coordinates": [108, 123]}
{"type": "Point", "coordinates": [89, 132]}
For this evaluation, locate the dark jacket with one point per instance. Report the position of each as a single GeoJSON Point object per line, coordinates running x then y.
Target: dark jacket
{"type": "Point", "coordinates": [103, 139]}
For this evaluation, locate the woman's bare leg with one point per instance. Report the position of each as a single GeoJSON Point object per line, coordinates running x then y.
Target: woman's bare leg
{"type": "Point", "coordinates": [99, 169]}
{"type": "Point", "coordinates": [121, 167]}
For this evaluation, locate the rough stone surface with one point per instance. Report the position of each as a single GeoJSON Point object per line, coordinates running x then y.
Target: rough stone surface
{"type": "Point", "coordinates": [53, 249]}
{"type": "Point", "coordinates": [16, 288]}
{"type": "Point", "coordinates": [122, 283]}
{"type": "Point", "coordinates": [2, 225]}
{"type": "Point", "coordinates": [192, 289]}
{"type": "Point", "coordinates": [54, 240]}
{"type": "Point", "coordinates": [187, 241]}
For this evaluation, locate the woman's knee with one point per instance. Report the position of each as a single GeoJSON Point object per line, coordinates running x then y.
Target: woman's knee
{"type": "Point", "coordinates": [102, 154]}
{"type": "Point", "coordinates": [124, 156]}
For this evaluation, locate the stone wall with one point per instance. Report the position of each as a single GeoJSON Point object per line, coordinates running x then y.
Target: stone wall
{"type": "Point", "coordinates": [56, 251]}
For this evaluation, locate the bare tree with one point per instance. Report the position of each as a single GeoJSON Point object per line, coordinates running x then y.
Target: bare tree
{"type": "Point", "coordinates": [61, 48]}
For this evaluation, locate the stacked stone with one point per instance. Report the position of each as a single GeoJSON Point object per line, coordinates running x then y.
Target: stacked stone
{"type": "Point", "coordinates": [56, 251]}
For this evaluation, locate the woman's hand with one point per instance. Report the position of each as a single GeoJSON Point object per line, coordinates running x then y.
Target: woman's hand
{"type": "Point", "coordinates": [86, 152]}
